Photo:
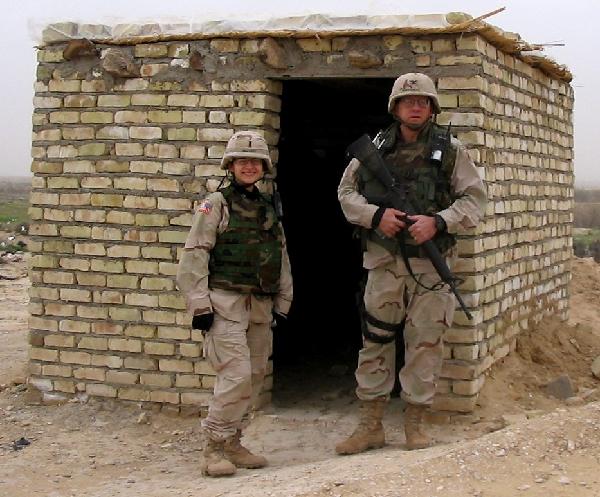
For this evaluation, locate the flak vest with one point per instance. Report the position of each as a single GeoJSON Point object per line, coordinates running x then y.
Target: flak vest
{"type": "Point", "coordinates": [247, 256]}
{"type": "Point", "coordinates": [428, 185]}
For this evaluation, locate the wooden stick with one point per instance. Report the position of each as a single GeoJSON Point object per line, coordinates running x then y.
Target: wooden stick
{"type": "Point", "coordinates": [489, 14]}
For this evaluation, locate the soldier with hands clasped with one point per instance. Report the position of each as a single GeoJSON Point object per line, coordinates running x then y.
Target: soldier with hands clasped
{"type": "Point", "coordinates": [440, 180]}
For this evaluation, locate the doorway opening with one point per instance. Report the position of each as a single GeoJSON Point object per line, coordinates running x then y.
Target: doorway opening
{"type": "Point", "coordinates": [321, 338]}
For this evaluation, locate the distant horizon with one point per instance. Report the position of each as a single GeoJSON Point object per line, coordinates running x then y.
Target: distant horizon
{"type": "Point", "coordinates": [6, 177]}
{"type": "Point", "coordinates": [561, 29]}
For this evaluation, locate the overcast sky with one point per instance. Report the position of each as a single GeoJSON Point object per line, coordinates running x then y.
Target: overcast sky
{"type": "Point", "coordinates": [540, 21]}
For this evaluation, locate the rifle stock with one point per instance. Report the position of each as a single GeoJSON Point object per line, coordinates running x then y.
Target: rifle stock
{"type": "Point", "coordinates": [365, 151]}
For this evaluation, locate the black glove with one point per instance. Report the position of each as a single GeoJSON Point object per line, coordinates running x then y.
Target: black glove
{"type": "Point", "coordinates": [279, 320]}
{"type": "Point", "coordinates": [203, 321]}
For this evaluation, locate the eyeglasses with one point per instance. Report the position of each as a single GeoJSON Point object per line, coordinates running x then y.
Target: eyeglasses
{"type": "Point", "coordinates": [421, 102]}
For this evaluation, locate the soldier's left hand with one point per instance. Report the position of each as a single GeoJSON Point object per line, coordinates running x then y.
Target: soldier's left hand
{"type": "Point", "coordinates": [279, 320]}
{"type": "Point", "coordinates": [422, 229]}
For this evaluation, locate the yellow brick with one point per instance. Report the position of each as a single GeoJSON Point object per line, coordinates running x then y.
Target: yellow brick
{"type": "Point", "coordinates": [90, 216]}
{"type": "Point", "coordinates": [53, 309]}
{"type": "Point", "coordinates": [47, 355]}
{"type": "Point", "coordinates": [140, 363]}
{"type": "Point", "coordinates": [168, 185]}
{"type": "Point", "coordinates": [156, 253]}
{"type": "Point", "coordinates": [172, 301]}
{"type": "Point", "coordinates": [149, 99]}
{"type": "Point", "coordinates": [157, 283]}
{"type": "Point", "coordinates": [151, 220]}
{"type": "Point", "coordinates": [90, 249]}
{"type": "Point", "coordinates": [420, 46]}
{"type": "Point", "coordinates": [160, 116]}
{"type": "Point", "coordinates": [160, 317]}
{"type": "Point", "coordinates": [43, 261]}
{"type": "Point", "coordinates": [93, 343]}
{"type": "Point", "coordinates": [135, 202]}
{"type": "Point", "coordinates": [314, 44]}
{"type": "Point", "coordinates": [150, 50]}
{"type": "Point", "coordinates": [87, 279]}
{"type": "Point", "coordinates": [195, 398]}
{"type": "Point", "coordinates": [106, 200]}
{"type": "Point", "coordinates": [142, 267]}
{"type": "Point", "coordinates": [102, 328]}
{"type": "Point", "coordinates": [120, 217]}
{"type": "Point", "coordinates": [123, 377]}
{"type": "Point", "coordinates": [111, 166]}
{"type": "Point", "coordinates": [109, 296]}
{"type": "Point", "coordinates": [126, 251]}
{"type": "Point", "coordinates": [75, 295]}
{"type": "Point", "coordinates": [140, 331]}
{"type": "Point", "coordinates": [75, 357]}
{"type": "Point", "coordinates": [173, 333]}
{"type": "Point", "coordinates": [181, 134]}
{"type": "Point", "coordinates": [393, 42]}
{"type": "Point", "coordinates": [176, 365]}
{"type": "Point", "coordinates": [216, 101]}
{"type": "Point", "coordinates": [134, 394]}
{"type": "Point", "coordinates": [190, 350]}
{"type": "Point", "coordinates": [125, 344]}
{"type": "Point", "coordinates": [42, 324]}
{"type": "Point", "coordinates": [109, 361]}
{"type": "Point", "coordinates": [159, 348]}
{"type": "Point", "coordinates": [95, 374]}
{"type": "Point", "coordinates": [188, 381]}
{"type": "Point", "coordinates": [99, 390]}
{"type": "Point", "coordinates": [57, 370]}
{"type": "Point", "coordinates": [124, 314]}
{"type": "Point", "coordinates": [105, 266]}
{"type": "Point", "coordinates": [74, 326]}
{"type": "Point", "coordinates": [157, 380]}
{"type": "Point", "coordinates": [64, 386]}
{"type": "Point", "coordinates": [166, 397]}
{"type": "Point", "coordinates": [224, 45]}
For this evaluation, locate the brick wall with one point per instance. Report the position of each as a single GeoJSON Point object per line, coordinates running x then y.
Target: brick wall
{"type": "Point", "coordinates": [118, 163]}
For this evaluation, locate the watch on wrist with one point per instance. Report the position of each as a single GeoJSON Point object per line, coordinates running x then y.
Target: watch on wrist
{"type": "Point", "coordinates": [440, 224]}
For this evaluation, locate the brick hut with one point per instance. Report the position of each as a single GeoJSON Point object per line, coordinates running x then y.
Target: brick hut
{"type": "Point", "coordinates": [129, 126]}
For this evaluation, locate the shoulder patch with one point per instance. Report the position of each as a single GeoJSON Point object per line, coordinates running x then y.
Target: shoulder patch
{"type": "Point", "coordinates": [205, 207]}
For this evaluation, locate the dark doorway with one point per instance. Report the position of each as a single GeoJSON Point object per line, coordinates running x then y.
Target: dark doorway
{"type": "Point", "coordinates": [319, 119]}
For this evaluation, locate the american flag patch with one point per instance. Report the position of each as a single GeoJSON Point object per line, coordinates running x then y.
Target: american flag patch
{"type": "Point", "coordinates": [205, 207]}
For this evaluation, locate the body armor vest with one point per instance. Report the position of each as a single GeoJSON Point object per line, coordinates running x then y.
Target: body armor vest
{"type": "Point", "coordinates": [247, 255]}
{"type": "Point", "coordinates": [428, 184]}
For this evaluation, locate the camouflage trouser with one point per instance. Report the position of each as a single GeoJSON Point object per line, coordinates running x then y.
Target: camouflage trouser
{"type": "Point", "coordinates": [238, 351]}
{"type": "Point", "coordinates": [390, 297]}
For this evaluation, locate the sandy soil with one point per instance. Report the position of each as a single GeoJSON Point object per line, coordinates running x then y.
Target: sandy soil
{"type": "Point", "coordinates": [520, 440]}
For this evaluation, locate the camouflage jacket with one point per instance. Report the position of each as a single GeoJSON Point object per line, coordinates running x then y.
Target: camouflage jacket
{"type": "Point", "coordinates": [466, 210]}
{"type": "Point", "coordinates": [210, 220]}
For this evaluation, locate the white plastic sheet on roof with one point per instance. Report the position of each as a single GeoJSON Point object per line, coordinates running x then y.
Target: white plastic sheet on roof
{"type": "Point", "coordinates": [311, 23]}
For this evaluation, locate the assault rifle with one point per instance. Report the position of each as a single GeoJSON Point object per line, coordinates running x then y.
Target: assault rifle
{"type": "Point", "coordinates": [367, 153]}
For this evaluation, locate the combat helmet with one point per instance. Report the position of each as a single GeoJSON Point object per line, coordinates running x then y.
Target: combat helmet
{"type": "Point", "coordinates": [246, 144]}
{"type": "Point", "coordinates": [414, 83]}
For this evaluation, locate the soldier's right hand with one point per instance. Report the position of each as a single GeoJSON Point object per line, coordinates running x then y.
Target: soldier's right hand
{"type": "Point", "coordinates": [203, 321]}
{"type": "Point", "coordinates": [391, 222]}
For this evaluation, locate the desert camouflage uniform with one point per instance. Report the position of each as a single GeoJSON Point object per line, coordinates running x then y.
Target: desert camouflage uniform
{"type": "Point", "coordinates": [391, 294]}
{"type": "Point", "coordinates": [239, 342]}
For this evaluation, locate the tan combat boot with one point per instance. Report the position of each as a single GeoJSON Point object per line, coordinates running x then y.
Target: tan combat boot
{"type": "Point", "coordinates": [413, 420]}
{"type": "Point", "coordinates": [369, 433]}
{"type": "Point", "coordinates": [214, 462]}
{"type": "Point", "coordinates": [239, 455]}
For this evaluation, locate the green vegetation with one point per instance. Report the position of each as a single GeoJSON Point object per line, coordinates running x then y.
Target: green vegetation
{"type": "Point", "coordinates": [586, 237]}
{"type": "Point", "coordinates": [586, 243]}
{"type": "Point", "coordinates": [13, 213]}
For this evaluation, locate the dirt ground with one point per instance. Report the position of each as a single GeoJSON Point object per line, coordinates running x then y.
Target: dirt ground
{"type": "Point", "coordinates": [520, 440]}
